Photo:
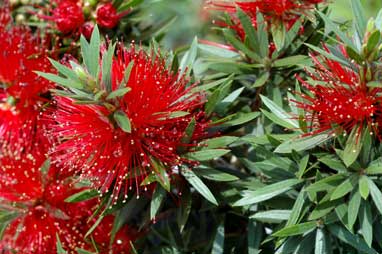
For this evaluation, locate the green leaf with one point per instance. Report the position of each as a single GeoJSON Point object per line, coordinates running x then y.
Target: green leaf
{"type": "Point", "coordinates": [60, 249]}
{"type": "Point", "coordinates": [199, 186]}
{"type": "Point", "coordinates": [249, 30]}
{"type": "Point", "coordinates": [360, 19]}
{"type": "Point", "coordinates": [272, 216]}
{"type": "Point", "coordinates": [353, 147]}
{"type": "Point", "coordinates": [82, 196]}
{"type": "Point", "coordinates": [353, 240]}
{"type": "Point", "coordinates": [184, 209]}
{"type": "Point", "coordinates": [375, 194]}
{"type": "Point", "coordinates": [297, 229]}
{"type": "Point", "coordinates": [344, 188]}
{"type": "Point", "coordinates": [94, 226]}
{"type": "Point", "coordinates": [321, 246]}
{"type": "Point", "coordinates": [59, 80]}
{"type": "Point", "coordinates": [297, 208]}
{"type": "Point", "coordinates": [129, 4]}
{"type": "Point", "coordinates": [261, 80]}
{"type": "Point", "coordinates": [325, 183]}
{"type": "Point", "coordinates": [375, 167]}
{"type": "Point", "coordinates": [366, 221]}
{"type": "Point", "coordinates": [302, 144]}
{"type": "Point", "coordinates": [330, 26]}
{"type": "Point", "coordinates": [156, 201]}
{"type": "Point", "coordinates": [240, 118]}
{"type": "Point", "coordinates": [188, 59]}
{"type": "Point", "coordinates": [206, 154]}
{"type": "Point", "coordinates": [67, 72]}
{"type": "Point", "coordinates": [255, 234]}
{"type": "Point", "coordinates": [232, 39]}
{"type": "Point", "coordinates": [373, 41]}
{"type": "Point", "coordinates": [7, 216]}
{"type": "Point", "coordinates": [218, 51]}
{"type": "Point", "coordinates": [219, 142]}
{"type": "Point", "coordinates": [302, 166]}
{"type": "Point", "coordinates": [107, 62]}
{"type": "Point", "coordinates": [218, 245]}
{"type": "Point", "coordinates": [122, 120]}
{"type": "Point", "coordinates": [353, 208]}
{"type": "Point", "coordinates": [290, 61]}
{"type": "Point", "coordinates": [214, 175]}
{"type": "Point", "coordinates": [118, 93]}
{"type": "Point", "coordinates": [262, 38]}
{"type": "Point", "coordinates": [91, 52]}
{"type": "Point", "coordinates": [265, 193]}
{"type": "Point", "coordinates": [278, 34]}
{"type": "Point", "coordinates": [328, 55]}
{"type": "Point", "coordinates": [279, 112]}
{"type": "Point", "coordinates": [364, 187]}
{"type": "Point", "coordinates": [82, 251]}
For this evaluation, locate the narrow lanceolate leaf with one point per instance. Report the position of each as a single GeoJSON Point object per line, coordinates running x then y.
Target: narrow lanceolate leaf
{"type": "Point", "coordinates": [118, 93]}
{"type": "Point", "coordinates": [353, 147]}
{"type": "Point", "coordinates": [90, 52]}
{"type": "Point", "coordinates": [157, 199]}
{"type": "Point", "coordinates": [360, 19]}
{"type": "Point", "coordinates": [366, 221]}
{"type": "Point", "coordinates": [297, 208]}
{"type": "Point", "coordinates": [364, 187]}
{"type": "Point", "coordinates": [214, 175]}
{"type": "Point", "coordinates": [272, 216]}
{"type": "Point", "coordinates": [199, 186]}
{"type": "Point", "coordinates": [302, 144]}
{"type": "Point", "coordinates": [267, 192]}
{"type": "Point", "coordinates": [218, 246]}
{"type": "Point", "coordinates": [376, 195]}
{"type": "Point", "coordinates": [207, 154]}
{"type": "Point", "coordinates": [220, 141]}
{"type": "Point", "coordinates": [106, 68]}
{"type": "Point", "coordinates": [353, 208]}
{"type": "Point", "coordinates": [344, 188]}
{"type": "Point", "coordinates": [353, 240]}
{"type": "Point", "coordinates": [375, 167]}
{"type": "Point", "coordinates": [290, 61]}
{"type": "Point", "coordinates": [122, 120]}
{"type": "Point", "coordinates": [60, 80]}
{"type": "Point", "coordinates": [280, 112]}
{"type": "Point", "coordinates": [189, 58]}
{"type": "Point", "coordinates": [60, 249]}
{"type": "Point", "coordinates": [321, 246]}
{"type": "Point", "coordinates": [297, 229]}
{"type": "Point", "coordinates": [82, 196]}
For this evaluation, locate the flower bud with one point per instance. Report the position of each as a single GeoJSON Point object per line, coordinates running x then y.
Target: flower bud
{"type": "Point", "coordinates": [68, 17]}
{"type": "Point", "coordinates": [107, 16]}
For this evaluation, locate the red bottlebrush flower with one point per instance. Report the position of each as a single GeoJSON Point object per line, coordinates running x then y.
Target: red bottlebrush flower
{"type": "Point", "coordinates": [21, 90]}
{"type": "Point", "coordinates": [343, 103]}
{"type": "Point", "coordinates": [286, 11]}
{"type": "Point", "coordinates": [38, 200]}
{"type": "Point", "coordinates": [68, 16]}
{"type": "Point", "coordinates": [107, 16]}
{"type": "Point", "coordinates": [92, 140]}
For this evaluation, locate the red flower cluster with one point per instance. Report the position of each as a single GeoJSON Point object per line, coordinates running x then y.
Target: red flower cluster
{"type": "Point", "coordinates": [37, 200]}
{"type": "Point", "coordinates": [159, 107]}
{"type": "Point", "coordinates": [69, 17]}
{"type": "Point", "coordinates": [21, 90]}
{"type": "Point", "coordinates": [274, 11]}
{"type": "Point", "coordinates": [339, 100]}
